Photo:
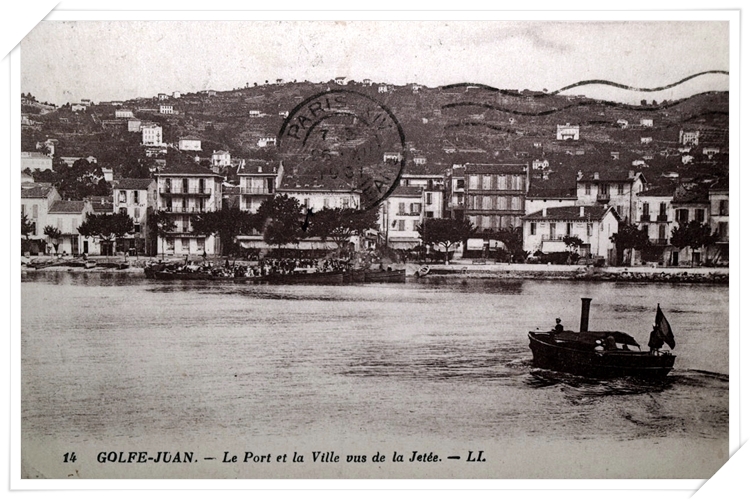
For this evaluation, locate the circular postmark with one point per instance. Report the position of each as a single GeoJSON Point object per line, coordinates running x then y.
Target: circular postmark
{"type": "Point", "coordinates": [343, 139]}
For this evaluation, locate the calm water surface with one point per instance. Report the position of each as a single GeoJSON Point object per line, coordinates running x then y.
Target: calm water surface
{"type": "Point", "coordinates": [117, 356]}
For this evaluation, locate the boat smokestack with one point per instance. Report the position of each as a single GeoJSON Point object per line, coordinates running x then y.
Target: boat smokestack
{"type": "Point", "coordinates": [585, 306]}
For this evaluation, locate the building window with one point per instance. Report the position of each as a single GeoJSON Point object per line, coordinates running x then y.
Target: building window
{"type": "Point", "coordinates": [460, 183]}
{"type": "Point", "coordinates": [663, 209]}
{"type": "Point", "coordinates": [700, 215]}
{"type": "Point", "coordinates": [345, 203]}
{"type": "Point", "coordinates": [415, 208]}
{"type": "Point", "coordinates": [646, 211]}
{"type": "Point", "coordinates": [414, 225]}
{"type": "Point", "coordinates": [723, 207]}
{"type": "Point", "coordinates": [501, 184]}
{"type": "Point", "coordinates": [307, 202]}
{"type": "Point", "coordinates": [428, 198]}
{"type": "Point", "coordinates": [185, 186]}
{"type": "Point", "coordinates": [123, 211]}
{"type": "Point", "coordinates": [589, 229]}
{"type": "Point", "coordinates": [486, 203]}
{"type": "Point", "coordinates": [723, 231]}
{"type": "Point", "coordinates": [401, 208]}
{"type": "Point", "coordinates": [568, 228]}
{"type": "Point", "coordinates": [552, 230]}
{"type": "Point", "coordinates": [587, 188]}
{"type": "Point", "coordinates": [135, 197]}
{"type": "Point", "coordinates": [326, 203]}
{"type": "Point", "coordinates": [200, 245]}
{"type": "Point", "coordinates": [429, 215]}
{"type": "Point", "coordinates": [170, 244]}
{"type": "Point", "coordinates": [34, 211]}
{"type": "Point", "coordinates": [515, 203]}
{"type": "Point", "coordinates": [123, 197]}
{"type": "Point", "coordinates": [620, 188]}
{"type": "Point", "coordinates": [486, 182]}
{"type": "Point", "coordinates": [682, 215]}
{"type": "Point", "coordinates": [604, 189]}
{"type": "Point", "coordinates": [185, 245]}
{"type": "Point", "coordinates": [137, 213]}
{"type": "Point", "coordinates": [401, 225]}
{"type": "Point", "coordinates": [662, 231]}
{"type": "Point", "coordinates": [473, 182]}
{"type": "Point", "coordinates": [532, 229]}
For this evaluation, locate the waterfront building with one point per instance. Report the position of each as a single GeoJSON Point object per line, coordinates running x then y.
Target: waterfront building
{"type": "Point", "coordinates": [123, 113]}
{"type": "Point", "coordinates": [400, 215]}
{"type": "Point", "coordinates": [183, 191]}
{"type": "Point", "coordinates": [135, 198]}
{"type": "Point", "coordinates": [36, 200]}
{"type": "Point", "coordinates": [166, 109]}
{"type": "Point", "coordinates": [616, 188]}
{"type": "Point", "coordinates": [259, 180]}
{"type": "Point", "coordinates": [495, 195]}
{"type": "Point", "coordinates": [718, 197]}
{"type": "Point", "coordinates": [690, 203]}
{"type": "Point", "coordinates": [546, 230]}
{"type": "Point", "coordinates": [66, 216]}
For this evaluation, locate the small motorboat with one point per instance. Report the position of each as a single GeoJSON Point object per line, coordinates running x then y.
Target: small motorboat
{"type": "Point", "coordinates": [602, 354]}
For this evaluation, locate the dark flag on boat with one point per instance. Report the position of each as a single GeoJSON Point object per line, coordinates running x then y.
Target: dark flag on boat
{"type": "Point", "coordinates": [665, 331]}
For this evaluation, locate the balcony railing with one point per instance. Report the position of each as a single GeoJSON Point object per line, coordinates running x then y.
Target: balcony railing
{"type": "Point", "coordinates": [662, 218]}
{"type": "Point", "coordinates": [184, 210]}
{"type": "Point", "coordinates": [659, 241]}
{"type": "Point", "coordinates": [255, 190]}
{"type": "Point", "coordinates": [558, 237]}
{"type": "Point", "coordinates": [189, 191]}
{"type": "Point", "coordinates": [409, 214]}
{"type": "Point", "coordinates": [645, 218]}
{"type": "Point", "coordinates": [602, 197]}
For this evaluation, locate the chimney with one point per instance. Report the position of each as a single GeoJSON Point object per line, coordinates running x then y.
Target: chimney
{"type": "Point", "coordinates": [544, 211]}
{"type": "Point", "coordinates": [581, 212]}
{"type": "Point", "coordinates": [596, 176]}
{"type": "Point", "coordinates": [585, 306]}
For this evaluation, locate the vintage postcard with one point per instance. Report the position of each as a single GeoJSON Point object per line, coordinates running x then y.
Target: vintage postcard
{"type": "Point", "coordinates": [392, 249]}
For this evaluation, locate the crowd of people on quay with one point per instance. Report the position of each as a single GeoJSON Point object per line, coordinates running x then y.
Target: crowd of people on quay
{"type": "Point", "coordinates": [263, 267]}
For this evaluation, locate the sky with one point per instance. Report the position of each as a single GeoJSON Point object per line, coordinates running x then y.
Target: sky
{"type": "Point", "coordinates": [65, 61]}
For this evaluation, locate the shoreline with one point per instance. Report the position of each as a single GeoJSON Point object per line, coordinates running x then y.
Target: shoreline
{"type": "Point", "coordinates": [463, 271]}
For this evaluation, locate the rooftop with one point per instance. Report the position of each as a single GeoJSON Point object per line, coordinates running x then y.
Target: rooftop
{"type": "Point", "coordinates": [591, 212]}
{"type": "Point", "coordinates": [140, 184]}
{"type": "Point", "coordinates": [407, 191]}
{"type": "Point", "coordinates": [187, 169]}
{"type": "Point", "coordinates": [491, 168]}
{"type": "Point", "coordinates": [316, 183]}
{"type": "Point", "coordinates": [35, 189]}
{"type": "Point", "coordinates": [67, 207]}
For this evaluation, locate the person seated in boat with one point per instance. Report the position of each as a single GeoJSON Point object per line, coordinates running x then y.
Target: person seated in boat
{"type": "Point", "coordinates": [655, 341]}
{"type": "Point", "coordinates": [559, 328]}
{"type": "Point", "coordinates": [610, 344]}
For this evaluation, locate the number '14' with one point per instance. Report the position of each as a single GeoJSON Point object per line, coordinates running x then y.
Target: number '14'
{"type": "Point", "coordinates": [69, 457]}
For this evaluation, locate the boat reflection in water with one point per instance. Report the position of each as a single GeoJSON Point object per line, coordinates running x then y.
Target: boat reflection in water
{"type": "Point", "coordinates": [601, 354]}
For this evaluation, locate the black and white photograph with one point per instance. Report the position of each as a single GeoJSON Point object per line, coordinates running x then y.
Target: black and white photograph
{"type": "Point", "coordinates": [375, 249]}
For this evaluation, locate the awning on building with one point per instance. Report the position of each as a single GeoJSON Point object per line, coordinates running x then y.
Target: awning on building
{"type": "Point", "coordinates": [403, 243]}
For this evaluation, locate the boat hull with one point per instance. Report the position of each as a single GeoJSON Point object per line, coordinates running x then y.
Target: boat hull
{"type": "Point", "coordinates": [332, 278]}
{"type": "Point", "coordinates": [385, 276]}
{"type": "Point", "coordinates": [597, 364]}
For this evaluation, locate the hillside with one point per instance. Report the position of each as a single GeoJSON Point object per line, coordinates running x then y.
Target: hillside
{"type": "Point", "coordinates": [445, 125]}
